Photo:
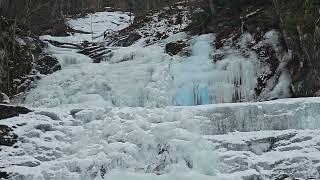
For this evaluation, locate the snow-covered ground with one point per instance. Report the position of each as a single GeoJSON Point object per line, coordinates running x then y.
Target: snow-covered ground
{"type": "Point", "coordinates": [94, 24]}
{"type": "Point", "coordinates": [118, 120]}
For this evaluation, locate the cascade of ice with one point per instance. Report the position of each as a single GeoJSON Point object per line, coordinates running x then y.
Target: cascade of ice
{"type": "Point", "coordinates": [106, 84]}
{"type": "Point", "coordinates": [66, 56]}
{"type": "Point", "coordinates": [200, 80]}
{"type": "Point", "coordinates": [143, 76]}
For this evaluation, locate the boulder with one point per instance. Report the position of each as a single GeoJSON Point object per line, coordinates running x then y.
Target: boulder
{"type": "Point", "coordinates": [7, 137]}
{"type": "Point", "coordinates": [128, 40]}
{"type": "Point", "coordinates": [7, 111]}
{"type": "Point", "coordinates": [283, 177]}
{"type": "Point", "coordinates": [174, 48]}
{"type": "Point", "coordinates": [4, 175]}
{"type": "Point", "coordinates": [217, 57]}
{"type": "Point", "coordinates": [48, 65]}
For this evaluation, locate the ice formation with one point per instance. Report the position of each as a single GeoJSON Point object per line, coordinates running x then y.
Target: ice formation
{"type": "Point", "coordinates": [201, 80]}
{"type": "Point", "coordinates": [146, 76]}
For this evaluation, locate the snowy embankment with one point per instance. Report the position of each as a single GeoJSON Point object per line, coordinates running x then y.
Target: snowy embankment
{"type": "Point", "coordinates": [101, 121]}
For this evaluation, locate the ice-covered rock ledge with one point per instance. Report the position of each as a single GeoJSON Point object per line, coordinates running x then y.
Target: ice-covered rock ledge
{"type": "Point", "coordinates": [282, 114]}
{"type": "Point", "coordinates": [225, 141]}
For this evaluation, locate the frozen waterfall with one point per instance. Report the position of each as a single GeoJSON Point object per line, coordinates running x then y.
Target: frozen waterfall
{"type": "Point", "coordinates": [200, 80]}
{"type": "Point", "coordinates": [148, 77]}
{"type": "Point", "coordinates": [146, 115]}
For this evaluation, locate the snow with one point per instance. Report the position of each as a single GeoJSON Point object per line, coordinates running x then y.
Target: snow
{"type": "Point", "coordinates": [158, 25]}
{"type": "Point", "coordinates": [278, 88]}
{"type": "Point", "coordinates": [94, 25]}
{"type": "Point", "coordinates": [136, 119]}
{"type": "Point", "coordinates": [102, 21]}
{"type": "Point", "coordinates": [21, 42]}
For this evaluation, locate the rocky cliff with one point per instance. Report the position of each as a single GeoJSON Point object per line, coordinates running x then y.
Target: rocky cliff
{"type": "Point", "coordinates": [297, 21]}
{"type": "Point", "coordinates": [17, 51]}
{"type": "Point", "coordinates": [22, 59]}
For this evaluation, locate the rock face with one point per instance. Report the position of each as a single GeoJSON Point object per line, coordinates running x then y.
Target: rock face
{"type": "Point", "coordinates": [11, 111]}
{"type": "Point", "coordinates": [21, 58]}
{"type": "Point", "coordinates": [4, 175]}
{"type": "Point", "coordinates": [301, 32]}
{"type": "Point", "coordinates": [17, 53]}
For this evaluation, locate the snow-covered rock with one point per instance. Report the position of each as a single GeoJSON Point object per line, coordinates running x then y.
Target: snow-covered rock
{"type": "Point", "coordinates": [4, 98]}
{"type": "Point", "coordinates": [153, 26]}
{"type": "Point", "coordinates": [47, 65]}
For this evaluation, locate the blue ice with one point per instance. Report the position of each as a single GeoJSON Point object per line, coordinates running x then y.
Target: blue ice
{"type": "Point", "coordinates": [196, 95]}
{"type": "Point", "coordinates": [184, 96]}
{"type": "Point", "coordinates": [203, 95]}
